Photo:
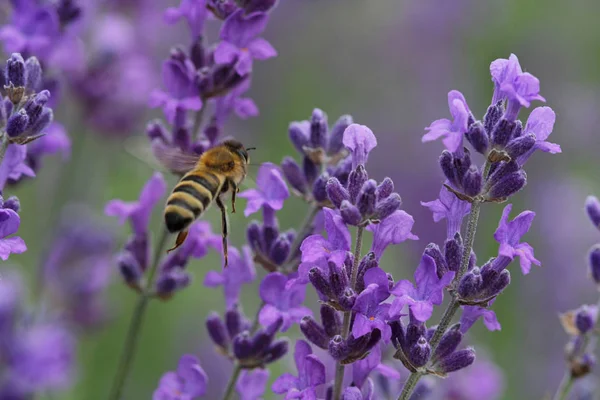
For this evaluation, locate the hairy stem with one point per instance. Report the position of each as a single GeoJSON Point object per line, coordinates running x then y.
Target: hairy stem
{"type": "Point", "coordinates": [135, 325]}
{"type": "Point", "coordinates": [339, 369]}
{"type": "Point", "coordinates": [237, 370]}
{"type": "Point", "coordinates": [453, 306]}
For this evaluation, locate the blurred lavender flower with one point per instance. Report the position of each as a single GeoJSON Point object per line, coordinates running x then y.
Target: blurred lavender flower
{"type": "Point", "coordinates": [471, 314]}
{"type": "Point", "coordinates": [311, 374]}
{"type": "Point", "coordinates": [450, 207]}
{"type": "Point", "coordinates": [239, 272]}
{"type": "Point", "coordinates": [281, 301]}
{"type": "Point", "coordinates": [9, 225]}
{"type": "Point", "coordinates": [452, 131]}
{"type": "Point", "coordinates": [271, 191]}
{"type": "Point", "coordinates": [483, 380]}
{"type": "Point", "coordinates": [252, 384]}
{"type": "Point", "coordinates": [188, 382]}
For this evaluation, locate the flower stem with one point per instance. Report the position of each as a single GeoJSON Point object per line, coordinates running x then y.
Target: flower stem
{"type": "Point", "coordinates": [135, 324]}
{"type": "Point", "coordinates": [237, 370]}
{"type": "Point", "coordinates": [339, 369]}
{"type": "Point", "coordinates": [453, 306]}
{"type": "Point", "coordinates": [565, 386]}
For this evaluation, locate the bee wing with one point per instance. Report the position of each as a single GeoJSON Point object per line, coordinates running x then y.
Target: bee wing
{"type": "Point", "coordinates": [159, 156]}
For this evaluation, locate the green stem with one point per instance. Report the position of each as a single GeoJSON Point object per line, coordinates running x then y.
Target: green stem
{"type": "Point", "coordinates": [135, 324]}
{"type": "Point", "coordinates": [237, 370]}
{"type": "Point", "coordinates": [565, 387]}
{"type": "Point", "coordinates": [339, 369]}
{"type": "Point", "coordinates": [453, 306]}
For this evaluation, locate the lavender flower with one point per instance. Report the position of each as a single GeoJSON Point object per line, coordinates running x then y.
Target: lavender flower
{"type": "Point", "coordinates": [450, 207]}
{"type": "Point", "coordinates": [281, 301]}
{"type": "Point", "coordinates": [452, 131]}
{"type": "Point", "coordinates": [370, 314]}
{"type": "Point", "coordinates": [471, 314]}
{"type": "Point", "coordinates": [395, 229]}
{"type": "Point", "coordinates": [271, 193]}
{"type": "Point", "coordinates": [252, 384]}
{"type": "Point", "coordinates": [311, 373]}
{"type": "Point", "coordinates": [189, 381]}
{"type": "Point", "coordinates": [239, 272]}
{"type": "Point", "coordinates": [9, 225]}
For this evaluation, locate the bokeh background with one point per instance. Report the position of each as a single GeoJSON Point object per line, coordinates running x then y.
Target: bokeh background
{"type": "Point", "coordinates": [390, 64]}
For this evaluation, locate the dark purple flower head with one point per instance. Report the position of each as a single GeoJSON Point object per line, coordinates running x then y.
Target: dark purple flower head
{"type": "Point", "coordinates": [592, 208]}
{"type": "Point", "coordinates": [282, 301]}
{"type": "Point", "coordinates": [271, 190]}
{"type": "Point", "coordinates": [252, 384]}
{"type": "Point", "coordinates": [594, 263]}
{"type": "Point", "coordinates": [311, 373]}
{"type": "Point", "coordinates": [370, 314]}
{"type": "Point", "coordinates": [509, 234]}
{"type": "Point", "coordinates": [9, 225]}
{"type": "Point", "coordinates": [540, 123]}
{"type": "Point", "coordinates": [195, 13]}
{"type": "Point", "coordinates": [471, 314]}
{"type": "Point", "coordinates": [450, 207]}
{"type": "Point", "coordinates": [239, 272]}
{"type": "Point", "coordinates": [360, 140]}
{"type": "Point", "coordinates": [512, 84]}
{"type": "Point", "coordinates": [188, 382]}
{"type": "Point", "coordinates": [451, 131]}
{"type": "Point", "coordinates": [428, 291]}
{"type": "Point", "coordinates": [240, 43]}
{"type": "Point", "coordinates": [394, 229]}
{"type": "Point", "coordinates": [138, 212]}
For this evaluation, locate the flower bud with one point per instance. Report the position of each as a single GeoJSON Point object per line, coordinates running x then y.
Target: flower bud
{"type": "Point", "coordinates": [350, 213]}
{"type": "Point", "coordinates": [472, 181]}
{"type": "Point", "coordinates": [172, 281]}
{"type": "Point", "coordinates": [518, 129]}
{"type": "Point", "coordinates": [336, 192]}
{"type": "Point", "coordinates": [470, 284]}
{"type": "Point", "coordinates": [294, 174]}
{"type": "Point", "coordinates": [457, 360]}
{"type": "Point", "coordinates": [338, 278]}
{"type": "Point", "coordinates": [347, 299]}
{"type": "Point", "coordinates": [337, 348]}
{"type": "Point", "coordinates": [234, 321]}
{"type": "Point", "coordinates": [356, 180]}
{"type": "Point", "coordinates": [594, 261]}
{"type": "Point", "coordinates": [310, 169]}
{"type": "Point", "coordinates": [42, 122]}
{"type": "Point", "coordinates": [500, 171]}
{"type": "Point", "coordinates": [446, 162]}
{"type": "Point", "coordinates": [13, 203]}
{"type": "Point", "coordinates": [280, 250]}
{"type": "Point", "coordinates": [242, 346]}
{"type": "Point", "coordinates": [592, 207]}
{"type": "Point", "coordinates": [419, 352]}
{"type": "Point", "coordinates": [520, 145]}
{"type": "Point", "coordinates": [130, 269]}
{"type": "Point", "coordinates": [331, 320]}
{"type": "Point", "coordinates": [320, 282]}
{"type": "Point", "coordinates": [260, 343]}
{"type": "Point", "coordinates": [385, 188]}
{"type": "Point", "coordinates": [496, 286]}
{"type": "Point", "coordinates": [17, 123]}
{"type": "Point", "coordinates": [253, 236]}
{"type": "Point", "coordinates": [492, 116]}
{"type": "Point", "coordinates": [216, 330]}
{"type": "Point", "coordinates": [33, 74]}
{"type": "Point", "coordinates": [366, 199]}
{"type": "Point", "coordinates": [387, 206]}
{"type": "Point", "coordinates": [268, 234]}
{"type": "Point", "coordinates": [318, 129]}
{"type": "Point", "coordinates": [453, 252]}
{"type": "Point", "coordinates": [319, 188]}
{"type": "Point", "coordinates": [298, 132]}
{"type": "Point", "coordinates": [585, 319]}
{"type": "Point", "coordinates": [477, 136]}
{"type": "Point", "coordinates": [277, 350]}
{"type": "Point", "coordinates": [502, 132]}
{"type": "Point", "coordinates": [336, 137]}
{"type": "Point", "coordinates": [433, 251]}
{"type": "Point", "coordinates": [461, 166]}
{"type": "Point", "coordinates": [448, 344]}
{"type": "Point", "coordinates": [509, 185]}
{"type": "Point", "coordinates": [368, 261]}
{"type": "Point", "coordinates": [15, 70]}
{"type": "Point", "coordinates": [314, 332]}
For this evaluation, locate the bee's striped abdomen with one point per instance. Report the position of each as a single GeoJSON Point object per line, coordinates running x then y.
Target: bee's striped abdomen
{"type": "Point", "coordinates": [191, 196]}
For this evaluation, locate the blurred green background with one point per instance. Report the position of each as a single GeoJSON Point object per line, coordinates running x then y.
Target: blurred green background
{"type": "Point", "coordinates": [390, 64]}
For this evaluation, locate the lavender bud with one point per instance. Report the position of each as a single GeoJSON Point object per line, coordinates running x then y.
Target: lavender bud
{"type": "Point", "coordinates": [242, 346]}
{"type": "Point", "coordinates": [17, 123]}
{"type": "Point", "coordinates": [518, 130]}
{"type": "Point", "coordinates": [311, 170]}
{"type": "Point", "coordinates": [414, 330]}
{"type": "Point", "coordinates": [347, 299]}
{"type": "Point", "coordinates": [318, 129]}
{"type": "Point", "coordinates": [156, 130]}
{"type": "Point", "coordinates": [277, 350]}
{"type": "Point", "coordinates": [216, 330]}
{"type": "Point", "coordinates": [457, 360]}
{"type": "Point", "coordinates": [197, 53]}
{"type": "Point", "coordinates": [13, 203]}
{"type": "Point", "coordinates": [337, 348]}
{"type": "Point", "coordinates": [274, 327]}
{"type": "Point", "coordinates": [298, 132]}
{"type": "Point", "coordinates": [592, 207]}
{"type": "Point", "coordinates": [280, 250]}
{"type": "Point", "coordinates": [368, 261]}
{"type": "Point", "coordinates": [342, 170]}
{"type": "Point", "coordinates": [472, 260]}
{"type": "Point", "coordinates": [585, 319]}
{"type": "Point", "coordinates": [433, 251]}
{"type": "Point", "coordinates": [319, 188]}
{"type": "Point", "coordinates": [260, 343]}
{"type": "Point", "coordinates": [385, 208]}
{"type": "Point", "coordinates": [470, 284]}
{"type": "Point", "coordinates": [385, 188]}
{"type": "Point", "coordinates": [336, 136]}
{"type": "Point", "coordinates": [171, 282]}
{"type": "Point", "coordinates": [419, 352]}
{"type": "Point", "coordinates": [497, 285]}
{"type": "Point", "coordinates": [320, 282]}
{"type": "Point", "coordinates": [356, 180]}
{"type": "Point", "coordinates": [294, 174]}
{"type": "Point", "coordinates": [356, 345]}
{"type": "Point", "coordinates": [374, 338]}
{"type": "Point", "coordinates": [336, 192]}
{"type": "Point", "coordinates": [509, 185]}
{"type": "Point", "coordinates": [503, 168]}
{"type": "Point", "coordinates": [268, 235]}
{"type": "Point", "coordinates": [477, 136]}
{"type": "Point", "coordinates": [254, 236]}
{"type": "Point", "coordinates": [366, 198]}
{"type": "Point", "coordinates": [492, 116]}
{"type": "Point", "coordinates": [446, 162]}
{"type": "Point", "coordinates": [331, 320]}
{"type": "Point", "coordinates": [520, 145]}
{"type": "Point", "coordinates": [337, 278]}
{"type": "Point", "coordinates": [234, 321]}
{"type": "Point", "coordinates": [138, 246]}
{"type": "Point", "coordinates": [453, 251]}
{"type": "Point", "coordinates": [33, 74]}
{"type": "Point", "coordinates": [350, 213]}
{"type": "Point", "coordinates": [502, 132]}
{"type": "Point", "coordinates": [448, 344]}
{"type": "Point", "coordinates": [472, 181]}
{"type": "Point", "coordinates": [129, 268]}
{"type": "Point", "coordinates": [15, 70]}
{"type": "Point", "coordinates": [42, 122]}
{"type": "Point", "coordinates": [594, 260]}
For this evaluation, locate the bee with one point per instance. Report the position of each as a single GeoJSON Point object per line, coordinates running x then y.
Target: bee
{"type": "Point", "coordinates": [206, 179]}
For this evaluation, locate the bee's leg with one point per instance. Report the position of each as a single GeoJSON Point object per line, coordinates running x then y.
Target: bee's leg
{"type": "Point", "coordinates": [179, 241]}
{"type": "Point", "coordinates": [234, 191]}
{"type": "Point", "coordinates": [224, 225]}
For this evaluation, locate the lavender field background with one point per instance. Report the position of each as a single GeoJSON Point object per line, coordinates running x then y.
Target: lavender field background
{"type": "Point", "coordinates": [390, 64]}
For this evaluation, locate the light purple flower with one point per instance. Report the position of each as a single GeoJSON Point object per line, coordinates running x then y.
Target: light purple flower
{"type": "Point", "coordinates": [362, 368]}
{"type": "Point", "coordinates": [471, 314]}
{"type": "Point", "coordinates": [510, 83]}
{"type": "Point", "coordinates": [540, 122]}
{"type": "Point", "coordinates": [509, 234]}
{"type": "Point", "coordinates": [138, 212]}
{"type": "Point", "coordinates": [451, 131]}
{"type": "Point", "coordinates": [370, 314]}
{"type": "Point", "coordinates": [378, 277]}
{"type": "Point", "coordinates": [360, 140]}
{"type": "Point", "coordinates": [252, 384]}
{"type": "Point", "coordinates": [354, 393]}
{"type": "Point", "coordinates": [187, 383]}
{"type": "Point", "coordinates": [9, 225]}
{"type": "Point", "coordinates": [234, 102]}
{"type": "Point", "coordinates": [194, 11]}
{"type": "Point", "coordinates": [282, 301]}
{"type": "Point", "coordinates": [14, 164]}
{"type": "Point", "coordinates": [271, 190]}
{"type": "Point", "coordinates": [240, 42]}
{"type": "Point", "coordinates": [482, 380]}
{"type": "Point", "coordinates": [429, 290]}
{"type": "Point", "coordinates": [311, 373]}
{"type": "Point", "coordinates": [54, 141]}
{"type": "Point", "coordinates": [239, 272]}
{"type": "Point", "coordinates": [394, 229]}
{"type": "Point", "coordinates": [181, 92]}
{"type": "Point", "coordinates": [450, 207]}
{"type": "Point", "coordinates": [316, 250]}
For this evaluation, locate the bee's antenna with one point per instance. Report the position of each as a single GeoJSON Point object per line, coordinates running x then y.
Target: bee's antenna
{"type": "Point", "coordinates": [250, 148]}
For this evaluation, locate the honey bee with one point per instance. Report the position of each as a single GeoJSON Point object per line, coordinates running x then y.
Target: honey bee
{"type": "Point", "coordinates": [206, 179]}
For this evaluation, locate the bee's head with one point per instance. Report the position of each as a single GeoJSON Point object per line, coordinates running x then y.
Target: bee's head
{"type": "Point", "coordinates": [239, 148]}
